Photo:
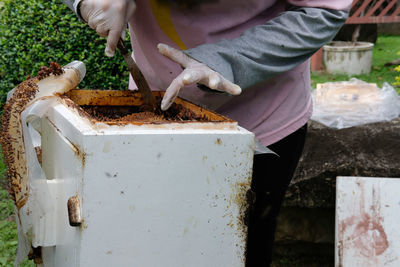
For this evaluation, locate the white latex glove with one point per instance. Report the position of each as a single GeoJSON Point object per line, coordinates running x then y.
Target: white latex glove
{"type": "Point", "coordinates": [108, 18]}
{"type": "Point", "coordinates": [194, 72]}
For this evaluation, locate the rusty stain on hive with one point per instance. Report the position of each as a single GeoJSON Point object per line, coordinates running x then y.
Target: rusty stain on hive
{"type": "Point", "coordinates": [12, 141]}
{"type": "Point", "coordinates": [241, 197]}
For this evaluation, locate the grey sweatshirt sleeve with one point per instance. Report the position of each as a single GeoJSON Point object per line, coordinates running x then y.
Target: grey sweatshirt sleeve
{"type": "Point", "coordinates": [69, 3]}
{"type": "Point", "coordinates": [267, 50]}
{"type": "Point", "coordinates": [74, 6]}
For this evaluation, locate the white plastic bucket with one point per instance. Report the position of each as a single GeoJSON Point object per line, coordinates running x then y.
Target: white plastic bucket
{"type": "Point", "coordinates": [348, 57]}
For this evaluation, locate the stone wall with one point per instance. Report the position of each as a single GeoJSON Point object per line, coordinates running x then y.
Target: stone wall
{"type": "Point", "coordinates": [307, 216]}
{"type": "Point", "coordinates": [367, 150]}
{"type": "Point", "coordinates": [389, 28]}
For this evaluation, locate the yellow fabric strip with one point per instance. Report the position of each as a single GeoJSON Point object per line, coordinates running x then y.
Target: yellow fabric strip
{"type": "Point", "coordinates": [162, 13]}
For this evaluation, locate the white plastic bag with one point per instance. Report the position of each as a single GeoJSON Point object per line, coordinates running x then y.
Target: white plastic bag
{"type": "Point", "coordinates": [355, 102]}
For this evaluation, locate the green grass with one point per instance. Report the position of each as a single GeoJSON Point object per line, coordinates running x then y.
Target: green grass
{"type": "Point", "coordinates": [385, 50]}
{"type": "Point", "coordinates": [8, 227]}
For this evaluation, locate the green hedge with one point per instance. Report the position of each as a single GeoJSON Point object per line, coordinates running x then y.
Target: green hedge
{"type": "Point", "coordinates": [36, 32]}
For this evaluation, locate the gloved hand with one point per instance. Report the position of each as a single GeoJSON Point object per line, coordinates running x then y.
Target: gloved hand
{"type": "Point", "coordinates": [108, 18]}
{"type": "Point", "coordinates": [194, 72]}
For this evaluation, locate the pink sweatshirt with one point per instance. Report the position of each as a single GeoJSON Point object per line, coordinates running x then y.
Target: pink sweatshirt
{"type": "Point", "coordinates": [273, 107]}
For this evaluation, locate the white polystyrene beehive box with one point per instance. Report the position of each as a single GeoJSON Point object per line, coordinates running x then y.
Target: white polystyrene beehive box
{"type": "Point", "coordinates": [149, 195]}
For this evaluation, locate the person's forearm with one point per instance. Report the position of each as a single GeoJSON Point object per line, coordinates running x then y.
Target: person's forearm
{"type": "Point", "coordinates": [273, 48]}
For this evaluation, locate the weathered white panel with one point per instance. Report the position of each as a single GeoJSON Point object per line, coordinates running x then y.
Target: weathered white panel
{"type": "Point", "coordinates": [367, 221]}
{"type": "Point", "coordinates": [165, 199]}
{"type": "Point", "coordinates": [169, 196]}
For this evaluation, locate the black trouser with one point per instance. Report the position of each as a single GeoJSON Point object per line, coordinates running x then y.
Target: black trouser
{"type": "Point", "coordinates": [271, 178]}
